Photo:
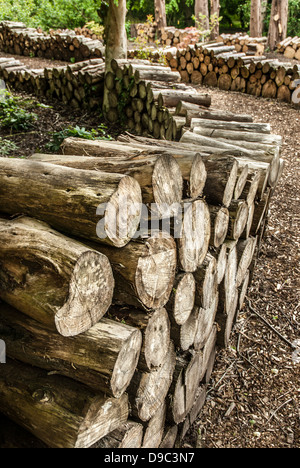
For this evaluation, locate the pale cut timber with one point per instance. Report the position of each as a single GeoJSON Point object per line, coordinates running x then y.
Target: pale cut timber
{"type": "Point", "coordinates": [236, 126]}
{"type": "Point", "coordinates": [169, 437]}
{"type": "Point", "coordinates": [159, 176]}
{"type": "Point", "coordinates": [205, 323]}
{"type": "Point", "coordinates": [57, 410]}
{"type": "Point", "coordinates": [206, 282]}
{"type": "Point", "coordinates": [69, 286]}
{"type": "Point", "coordinates": [102, 207]}
{"type": "Point", "coordinates": [148, 390]}
{"type": "Point", "coordinates": [128, 435]}
{"type": "Point", "coordinates": [172, 97]}
{"type": "Point", "coordinates": [182, 299]}
{"type": "Point", "coordinates": [144, 270]}
{"type": "Point", "coordinates": [219, 224]}
{"type": "Point", "coordinates": [245, 253]}
{"type": "Point", "coordinates": [155, 328]}
{"type": "Point", "coordinates": [195, 232]}
{"type": "Point", "coordinates": [155, 428]}
{"type": "Point", "coordinates": [238, 217]}
{"type": "Point", "coordinates": [194, 373]}
{"type": "Point", "coordinates": [111, 350]}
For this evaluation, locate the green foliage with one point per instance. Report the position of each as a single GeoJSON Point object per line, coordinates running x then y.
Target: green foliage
{"type": "Point", "coordinates": [50, 14]}
{"type": "Point", "coordinates": [78, 132]}
{"type": "Point", "coordinates": [294, 18]}
{"type": "Point", "coordinates": [12, 115]}
{"type": "Point", "coordinates": [7, 147]}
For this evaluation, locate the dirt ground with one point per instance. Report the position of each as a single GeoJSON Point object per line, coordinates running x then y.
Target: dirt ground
{"type": "Point", "coordinates": [253, 397]}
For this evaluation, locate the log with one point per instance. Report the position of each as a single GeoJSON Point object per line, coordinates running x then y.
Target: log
{"type": "Point", "coordinates": [77, 199]}
{"type": "Point", "coordinates": [171, 98]}
{"type": "Point", "coordinates": [128, 435]}
{"type": "Point", "coordinates": [219, 225]}
{"type": "Point", "coordinates": [194, 235]}
{"type": "Point", "coordinates": [57, 410]}
{"type": "Point", "coordinates": [155, 328]}
{"type": "Point", "coordinates": [144, 271]}
{"type": "Point", "coordinates": [159, 177]}
{"type": "Point", "coordinates": [155, 428]}
{"type": "Point", "coordinates": [111, 350]}
{"type": "Point", "coordinates": [148, 390]}
{"type": "Point", "coordinates": [182, 299]}
{"type": "Point", "coordinates": [238, 216]}
{"type": "Point", "coordinates": [69, 286]}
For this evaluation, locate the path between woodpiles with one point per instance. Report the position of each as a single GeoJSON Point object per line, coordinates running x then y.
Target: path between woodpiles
{"type": "Point", "coordinates": [253, 398]}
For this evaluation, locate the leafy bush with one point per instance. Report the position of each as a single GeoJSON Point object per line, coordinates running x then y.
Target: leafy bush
{"type": "Point", "coordinates": [77, 132]}
{"type": "Point", "coordinates": [7, 147]}
{"type": "Point", "coordinates": [50, 14]}
{"type": "Point", "coordinates": [12, 115]}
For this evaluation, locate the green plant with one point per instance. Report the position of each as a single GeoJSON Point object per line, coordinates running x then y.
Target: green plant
{"type": "Point", "coordinates": [12, 115]}
{"type": "Point", "coordinates": [77, 132]}
{"type": "Point", "coordinates": [7, 147]}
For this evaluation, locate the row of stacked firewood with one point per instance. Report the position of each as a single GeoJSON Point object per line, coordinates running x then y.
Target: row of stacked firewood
{"type": "Point", "coordinates": [244, 43]}
{"type": "Point", "coordinates": [123, 266]}
{"type": "Point", "coordinates": [77, 85]}
{"type": "Point", "coordinates": [218, 66]}
{"type": "Point", "coordinates": [18, 39]}
{"type": "Point", "coordinates": [290, 48]}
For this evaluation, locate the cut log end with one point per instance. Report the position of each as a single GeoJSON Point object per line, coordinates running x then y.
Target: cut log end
{"type": "Point", "coordinates": [123, 212]}
{"type": "Point", "coordinates": [156, 269]}
{"type": "Point", "coordinates": [167, 184]}
{"type": "Point", "coordinates": [90, 295]}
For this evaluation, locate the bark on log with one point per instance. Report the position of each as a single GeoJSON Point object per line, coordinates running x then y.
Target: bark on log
{"type": "Point", "coordinates": [27, 187]}
{"type": "Point", "coordinates": [128, 435]}
{"type": "Point", "coordinates": [53, 279]}
{"type": "Point", "coordinates": [111, 350]}
{"type": "Point", "coordinates": [57, 410]}
{"type": "Point", "coordinates": [159, 176]}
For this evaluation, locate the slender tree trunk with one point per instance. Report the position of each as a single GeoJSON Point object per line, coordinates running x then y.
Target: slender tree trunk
{"type": "Point", "coordinates": [160, 13]}
{"type": "Point", "coordinates": [202, 14]}
{"type": "Point", "coordinates": [278, 22]}
{"type": "Point", "coordinates": [116, 39]}
{"type": "Point", "coordinates": [215, 14]}
{"type": "Point", "coordinates": [256, 19]}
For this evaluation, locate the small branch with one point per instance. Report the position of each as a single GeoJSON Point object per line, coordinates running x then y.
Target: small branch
{"type": "Point", "coordinates": [270, 326]}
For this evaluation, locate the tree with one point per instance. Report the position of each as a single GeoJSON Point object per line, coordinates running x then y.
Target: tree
{"type": "Point", "coordinates": [278, 22]}
{"type": "Point", "coordinates": [256, 19]}
{"type": "Point", "coordinates": [202, 14]}
{"type": "Point", "coordinates": [115, 31]}
{"type": "Point", "coordinates": [160, 13]}
{"type": "Point", "coordinates": [214, 18]}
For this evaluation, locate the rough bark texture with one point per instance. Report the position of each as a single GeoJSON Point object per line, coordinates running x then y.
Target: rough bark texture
{"type": "Point", "coordinates": [68, 286]}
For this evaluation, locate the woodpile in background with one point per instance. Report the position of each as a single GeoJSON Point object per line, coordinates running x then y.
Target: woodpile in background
{"type": "Point", "coordinates": [16, 38]}
{"type": "Point", "coordinates": [144, 95]}
{"type": "Point", "coordinates": [114, 337]}
{"type": "Point", "coordinates": [144, 33]}
{"type": "Point", "coordinates": [244, 43]}
{"type": "Point", "coordinates": [290, 48]}
{"type": "Point", "coordinates": [77, 85]}
{"type": "Point", "coordinates": [172, 36]}
{"type": "Point", "coordinates": [218, 66]}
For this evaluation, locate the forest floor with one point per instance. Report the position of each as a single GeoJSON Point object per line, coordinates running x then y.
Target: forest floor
{"type": "Point", "coordinates": [254, 392]}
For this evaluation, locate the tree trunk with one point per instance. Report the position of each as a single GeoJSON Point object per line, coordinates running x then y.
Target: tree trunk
{"type": "Point", "coordinates": [278, 23]}
{"type": "Point", "coordinates": [202, 14]}
{"type": "Point", "coordinates": [102, 207]}
{"type": "Point", "coordinates": [55, 280]}
{"type": "Point", "coordinates": [214, 15]}
{"type": "Point", "coordinates": [160, 14]}
{"type": "Point", "coordinates": [256, 19]}
{"type": "Point", "coordinates": [57, 410]}
{"type": "Point", "coordinates": [111, 350]}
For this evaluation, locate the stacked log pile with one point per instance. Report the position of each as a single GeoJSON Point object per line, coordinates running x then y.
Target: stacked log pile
{"type": "Point", "coordinates": [93, 318]}
{"type": "Point", "coordinates": [77, 85]}
{"type": "Point", "coordinates": [16, 38]}
{"type": "Point", "coordinates": [244, 43]}
{"type": "Point", "coordinates": [144, 96]}
{"type": "Point", "coordinates": [171, 36]}
{"type": "Point", "coordinates": [219, 66]}
{"type": "Point", "coordinates": [290, 48]}
{"type": "Point", "coordinates": [145, 33]}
